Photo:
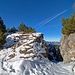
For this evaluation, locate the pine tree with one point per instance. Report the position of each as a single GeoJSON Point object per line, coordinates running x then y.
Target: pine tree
{"type": "Point", "coordinates": [2, 32]}
{"type": "Point", "coordinates": [68, 25]}
{"type": "Point", "coordinates": [25, 28]}
{"type": "Point", "coordinates": [2, 26]}
{"type": "Point", "coordinates": [12, 30]}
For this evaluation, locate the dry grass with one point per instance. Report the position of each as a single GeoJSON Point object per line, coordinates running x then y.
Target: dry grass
{"type": "Point", "coordinates": [27, 44]}
{"type": "Point", "coordinates": [22, 51]}
{"type": "Point", "coordinates": [12, 55]}
{"type": "Point", "coordinates": [25, 51]}
{"type": "Point", "coordinates": [73, 54]}
{"type": "Point", "coordinates": [25, 57]}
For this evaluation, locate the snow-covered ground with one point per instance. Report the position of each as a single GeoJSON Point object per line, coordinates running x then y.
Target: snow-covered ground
{"type": "Point", "coordinates": [36, 67]}
{"type": "Point", "coordinates": [29, 66]}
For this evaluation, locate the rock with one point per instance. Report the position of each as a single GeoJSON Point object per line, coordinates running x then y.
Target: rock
{"type": "Point", "coordinates": [54, 53]}
{"type": "Point", "coordinates": [67, 47]}
{"type": "Point", "coordinates": [27, 46]}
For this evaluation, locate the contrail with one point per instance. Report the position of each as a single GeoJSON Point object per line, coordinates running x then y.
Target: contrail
{"type": "Point", "coordinates": [44, 21]}
{"type": "Point", "coordinates": [53, 18]}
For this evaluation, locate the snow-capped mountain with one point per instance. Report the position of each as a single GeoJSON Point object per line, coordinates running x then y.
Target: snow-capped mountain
{"type": "Point", "coordinates": [53, 43]}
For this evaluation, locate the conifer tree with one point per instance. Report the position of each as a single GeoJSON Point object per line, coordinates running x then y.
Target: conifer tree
{"type": "Point", "coordinates": [12, 30]}
{"type": "Point", "coordinates": [2, 32]}
{"type": "Point", "coordinates": [25, 28]}
{"type": "Point", "coordinates": [2, 26]}
{"type": "Point", "coordinates": [68, 25]}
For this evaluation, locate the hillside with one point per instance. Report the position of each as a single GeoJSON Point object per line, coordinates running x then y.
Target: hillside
{"type": "Point", "coordinates": [27, 54]}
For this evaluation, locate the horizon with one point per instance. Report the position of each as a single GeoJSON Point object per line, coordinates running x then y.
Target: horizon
{"type": "Point", "coordinates": [44, 16]}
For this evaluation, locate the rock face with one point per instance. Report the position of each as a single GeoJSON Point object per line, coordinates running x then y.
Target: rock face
{"type": "Point", "coordinates": [67, 47]}
{"type": "Point", "coordinates": [25, 46]}
{"type": "Point", "coordinates": [54, 53]}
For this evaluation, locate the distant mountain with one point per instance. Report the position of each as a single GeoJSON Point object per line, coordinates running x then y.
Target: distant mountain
{"type": "Point", "coordinates": [53, 43]}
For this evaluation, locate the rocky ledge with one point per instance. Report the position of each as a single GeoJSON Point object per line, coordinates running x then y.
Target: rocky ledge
{"type": "Point", "coordinates": [25, 46]}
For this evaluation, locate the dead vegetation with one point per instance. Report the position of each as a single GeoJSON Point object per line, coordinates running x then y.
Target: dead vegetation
{"type": "Point", "coordinates": [25, 51]}
{"type": "Point", "coordinates": [12, 55]}
{"type": "Point", "coordinates": [26, 57]}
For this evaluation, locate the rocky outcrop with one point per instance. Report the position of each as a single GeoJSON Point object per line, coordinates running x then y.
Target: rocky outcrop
{"type": "Point", "coordinates": [67, 47]}
{"type": "Point", "coordinates": [25, 46]}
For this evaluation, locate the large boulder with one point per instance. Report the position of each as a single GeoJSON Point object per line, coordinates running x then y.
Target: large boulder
{"type": "Point", "coordinates": [67, 47]}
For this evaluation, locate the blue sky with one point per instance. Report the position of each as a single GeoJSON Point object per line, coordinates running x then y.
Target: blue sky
{"type": "Point", "coordinates": [32, 12]}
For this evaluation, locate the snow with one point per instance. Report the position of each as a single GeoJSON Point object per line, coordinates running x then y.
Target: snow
{"type": "Point", "coordinates": [27, 55]}
{"type": "Point", "coordinates": [36, 67]}
{"type": "Point", "coordinates": [36, 34]}
{"type": "Point", "coordinates": [73, 58]}
{"type": "Point", "coordinates": [30, 50]}
{"type": "Point", "coordinates": [30, 66]}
